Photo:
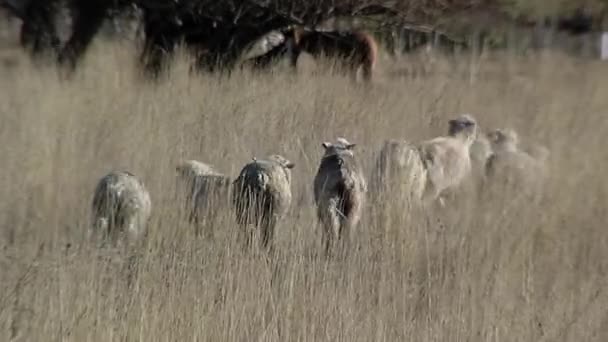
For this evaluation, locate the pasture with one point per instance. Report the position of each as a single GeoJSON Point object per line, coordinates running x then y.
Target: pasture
{"type": "Point", "coordinates": [481, 269]}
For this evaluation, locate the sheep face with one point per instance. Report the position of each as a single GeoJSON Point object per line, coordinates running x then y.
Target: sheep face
{"type": "Point", "coordinates": [503, 140]}
{"type": "Point", "coordinates": [464, 127]}
{"type": "Point", "coordinates": [284, 162]}
{"type": "Point", "coordinates": [340, 146]}
{"type": "Point", "coordinates": [184, 171]}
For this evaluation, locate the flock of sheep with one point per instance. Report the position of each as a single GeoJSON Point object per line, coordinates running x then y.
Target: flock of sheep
{"type": "Point", "coordinates": [405, 173]}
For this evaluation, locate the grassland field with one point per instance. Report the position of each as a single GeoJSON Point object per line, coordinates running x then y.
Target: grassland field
{"type": "Point", "coordinates": [498, 269]}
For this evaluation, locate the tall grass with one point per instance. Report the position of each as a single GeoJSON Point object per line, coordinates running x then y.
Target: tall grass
{"type": "Point", "coordinates": [479, 270]}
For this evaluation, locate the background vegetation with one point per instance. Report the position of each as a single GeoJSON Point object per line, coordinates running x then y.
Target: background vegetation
{"type": "Point", "coordinates": [483, 269]}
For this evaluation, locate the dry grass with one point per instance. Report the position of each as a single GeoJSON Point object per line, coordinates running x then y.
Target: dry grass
{"type": "Point", "coordinates": [481, 270]}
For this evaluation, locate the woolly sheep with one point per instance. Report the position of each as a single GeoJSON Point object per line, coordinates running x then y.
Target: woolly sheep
{"type": "Point", "coordinates": [480, 151]}
{"type": "Point", "coordinates": [262, 194]}
{"type": "Point", "coordinates": [206, 188]}
{"type": "Point", "coordinates": [508, 164]}
{"type": "Point", "coordinates": [339, 190]}
{"type": "Point", "coordinates": [121, 206]}
{"type": "Point", "coordinates": [447, 159]}
{"type": "Point", "coordinates": [399, 174]}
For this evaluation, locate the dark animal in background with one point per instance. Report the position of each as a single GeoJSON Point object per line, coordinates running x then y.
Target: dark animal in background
{"type": "Point", "coordinates": [215, 38]}
{"type": "Point", "coordinates": [88, 17]}
{"type": "Point", "coordinates": [356, 49]}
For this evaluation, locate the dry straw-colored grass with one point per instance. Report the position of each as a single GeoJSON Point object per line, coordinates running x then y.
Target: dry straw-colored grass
{"type": "Point", "coordinates": [479, 270]}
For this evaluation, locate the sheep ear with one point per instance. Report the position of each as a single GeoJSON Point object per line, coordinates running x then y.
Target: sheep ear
{"type": "Point", "coordinates": [326, 145]}
{"type": "Point", "coordinates": [350, 146]}
{"type": "Point", "coordinates": [290, 165]}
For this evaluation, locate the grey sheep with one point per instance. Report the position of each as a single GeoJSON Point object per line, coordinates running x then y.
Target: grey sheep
{"type": "Point", "coordinates": [206, 189]}
{"type": "Point", "coordinates": [121, 206]}
{"type": "Point", "coordinates": [399, 174]}
{"type": "Point", "coordinates": [447, 159]}
{"type": "Point", "coordinates": [262, 194]}
{"type": "Point", "coordinates": [508, 164]}
{"type": "Point", "coordinates": [339, 190]}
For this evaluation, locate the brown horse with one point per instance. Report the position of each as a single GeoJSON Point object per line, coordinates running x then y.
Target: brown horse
{"type": "Point", "coordinates": [357, 49]}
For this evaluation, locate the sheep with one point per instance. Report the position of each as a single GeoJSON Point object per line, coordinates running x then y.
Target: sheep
{"type": "Point", "coordinates": [121, 205]}
{"type": "Point", "coordinates": [447, 159]}
{"type": "Point", "coordinates": [480, 151]}
{"type": "Point", "coordinates": [399, 174]}
{"type": "Point", "coordinates": [265, 50]}
{"type": "Point", "coordinates": [189, 169]}
{"type": "Point", "coordinates": [261, 194]}
{"type": "Point", "coordinates": [510, 165]}
{"type": "Point", "coordinates": [205, 188]}
{"type": "Point", "coordinates": [339, 191]}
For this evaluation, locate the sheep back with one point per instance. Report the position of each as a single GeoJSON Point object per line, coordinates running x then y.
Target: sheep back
{"type": "Point", "coordinates": [265, 187]}
{"type": "Point", "coordinates": [399, 172]}
{"type": "Point", "coordinates": [121, 204]}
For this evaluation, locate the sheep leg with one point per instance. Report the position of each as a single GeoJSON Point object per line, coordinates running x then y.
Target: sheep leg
{"type": "Point", "coordinates": [99, 229]}
{"type": "Point", "coordinates": [344, 237]}
{"type": "Point", "coordinates": [246, 235]}
{"type": "Point", "coordinates": [332, 230]}
{"type": "Point", "coordinates": [430, 193]}
{"type": "Point", "coordinates": [194, 219]}
{"type": "Point", "coordinates": [441, 201]}
{"type": "Point", "coordinates": [209, 223]}
{"type": "Point", "coordinates": [367, 71]}
{"type": "Point", "coordinates": [294, 55]}
{"type": "Point", "coordinates": [267, 233]}
{"type": "Point", "coordinates": [131, 231]}
{"type": "Point", "coordinates": [328, 245]}
{"type": "Point", "coordinates": [354, 73]}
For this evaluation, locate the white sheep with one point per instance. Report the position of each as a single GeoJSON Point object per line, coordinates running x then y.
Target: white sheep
{"type": "Point", "coordinates": [447, 159]}
{"type": "Point", "coordinates": [206, 189]}
{"type": "Point", "coordinates": [509, 165]}
{"type": "Point", "coordinates": [399, 176]}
